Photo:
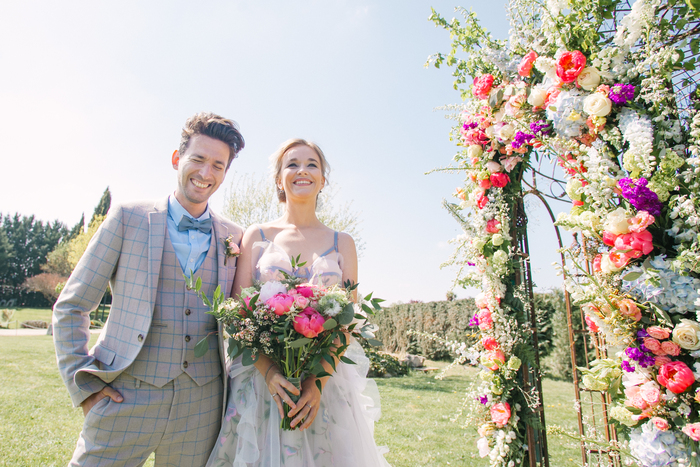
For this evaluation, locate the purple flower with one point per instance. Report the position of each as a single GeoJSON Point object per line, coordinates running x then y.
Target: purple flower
{"type": "Point", "coordinates": [633, 353]}
{"type": "Point", "coordinates": [483, 399]}
{"type": "Point", "coordinates": [621, 94]}
{"type": "Point", "coordinates": [521, 138]}
{"type": "Point", "coordinates": [474, 321]}
{"type": "Point", "coordinates": [639, 196]}
{"type": "Point", "coordinates": [541, 127]}
{"type": "Point", "coordinates": [627, 367]}
{"type": "Point", "coordinates": [642, 333]}
{"type": "Point", "coordinates": [646, 361]}
{"type": "Point", "coordinates": [470, 126]}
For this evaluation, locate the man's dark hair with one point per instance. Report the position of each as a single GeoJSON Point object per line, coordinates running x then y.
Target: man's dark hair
{"type": "Point", "coordinates": [213, 126]}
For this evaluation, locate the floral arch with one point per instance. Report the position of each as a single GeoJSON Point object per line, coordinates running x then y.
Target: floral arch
{"type": "Point", "coordinates": [607, 89]}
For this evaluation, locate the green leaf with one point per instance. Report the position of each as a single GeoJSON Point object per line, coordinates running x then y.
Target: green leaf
{"type": "Point", "coordinates": [330, 324]}
{"type": "Point", "coordinates": [345, 316]}
{"type": "Point", "coordinates": [343, 340]}
{"type": "Point", "coordinates": [632, 276]}
{"type": "Point", "coordinates": [233, 348]}
{"type": "Point", "coordinates": [247, 358]}
{"type": "Point", "coordinates": [318, 385]}
{"type": "Point", "coordinates": [299, 342]}
{"type": "Point", "coordinates": [322, 374]}
{"type": "Point", "coordinates": [198, 284]}
{"type": "Point", "coordinates": [345, 359]}
{"type": "Point", "coordinates": [201, 348]}
{"type": "Point", "coordinates": [330, 360]}
{"type": "Point", "coordinates": [375, 342]}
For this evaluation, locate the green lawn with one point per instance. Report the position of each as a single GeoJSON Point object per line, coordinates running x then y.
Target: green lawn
{"type": "Point", "coordinates": [40, 314]}
{"type": "Point", "coordinates": [39, 427]}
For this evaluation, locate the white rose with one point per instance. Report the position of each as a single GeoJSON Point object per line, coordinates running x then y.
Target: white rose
{"type": "Point", "coordinates": [505, 132]}
{"type": "Point", "coordinates": [270, 289]}
{"type": "Point", "coordinates": [474, 150]}
{"type": "Point", "coordinates": [597, 104]}
{"type": "Point", "coordinates": [497, 239]}
{"type": "Point", "coordinates": [493, 166]}
{"type": "Point", "coordinates": [490, 131]}
{"type": "Point", "coordinates": [537, 97]}
{"type": "Point", "coordinates": [616, 222]}
{"type": "Point", "coordinates": [687, 334]}
{"type": "Point", "coordinates": [589, 79]}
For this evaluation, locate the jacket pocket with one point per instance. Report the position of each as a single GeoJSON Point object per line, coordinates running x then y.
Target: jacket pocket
{"type": "Point", "coordinates": [158, 324]}
{"type": "Point", "coordinates": [104, 355]}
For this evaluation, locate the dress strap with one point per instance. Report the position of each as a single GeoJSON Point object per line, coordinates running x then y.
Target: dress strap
{"type": "Point", "coordinates": [262, 234]}
{"type": "Point", "coordinates": [335, 242]}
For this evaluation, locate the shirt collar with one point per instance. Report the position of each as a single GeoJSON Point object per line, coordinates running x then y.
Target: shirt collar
{"type": "Point", "coordinates": [176, 211]}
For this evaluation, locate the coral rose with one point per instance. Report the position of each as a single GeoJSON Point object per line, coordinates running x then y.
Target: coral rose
{"type": "Point", "coordinates": [493, 226]}
{"type": "Point", "coordinates": [525, 66]}
{"type": "Point", "coordinates": [280, 303]}
{"type": "Point", "coordinates": [493, 359]}
{"type": "Point", "coordinates": [570, 65]}
{"type": "Point", "coordinates": [660, 423]}
{"type": "Point", "coordinates": [628, 308]}
{"type": "Point", "coordinates": [658, 332]}
{"type": "Point", "coordinates": [500, 414]}
{"type": "Point", "coordinates": [670, 348]}
{"type": "Point", "coordinates": [652, 344]}
{"type": "Point", "coordinates": [641, 221]}
{"type": "Point", "coordinates": [309, 323]}
{"type": "Point", "coordinates": [676, 377]}
{"type": "Point", "coordinates": [482, 86]}
{"type": "Point", "coordinates": [490, 343]}
{"type": "Point", "coordinates": [661, 361]}
{"type": "Point", "coordinates": [691, 429]}
{"type": "Point", "coordinates": [500, 179]}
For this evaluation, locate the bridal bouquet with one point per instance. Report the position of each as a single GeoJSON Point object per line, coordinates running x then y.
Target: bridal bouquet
{"type": "Point", "coordinates": [297, 325]}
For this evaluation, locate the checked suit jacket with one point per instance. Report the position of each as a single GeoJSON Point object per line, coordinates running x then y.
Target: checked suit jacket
{"type": "Point", "coordinates": [125, 252]}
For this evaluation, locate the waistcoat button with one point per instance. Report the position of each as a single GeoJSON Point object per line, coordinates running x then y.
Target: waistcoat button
{"type": "Point", "coordinates": [185, 365]}
{"type": "Point", "coordinates": [140, 338]}
{"type": "Point", "coordinates": [187, 338]}
{"type": "Point", "coordinates": [187, 312]}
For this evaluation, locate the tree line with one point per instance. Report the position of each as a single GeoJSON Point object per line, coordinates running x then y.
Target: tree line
{"type": "Point", "coordinates": [36, 257]}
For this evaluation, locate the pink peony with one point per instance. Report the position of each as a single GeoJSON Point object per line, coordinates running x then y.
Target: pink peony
{"type": "Point", "coordinates": [485, 319]}
{"type": "Point", "coordinates": [670, 348]}
{"type": "Point", "coordinates": [309, 323]}
{"type": "Point", "coordinates": [691, 429]}
{"type": "Point", "coordinates": [482, 201]}
{"type": "Point", "coordinates": [658, 332]}
{"type": "Point", "coordinates": [305, 291]}
{"type": "Point", "coordinates": [618, 260]}
{"type": "Point", "coordinates": [652, 344]}
{"type": "Point", "coordinates": [637, 242]}
{"type": "Point", "coordinates": [280, 303]}
{"type": "Point", "coordinates": [525, 67]}
{"type": "Point", "coordinates": [552, 94]}
{"type": "Point", "coordinates": [482, 86]}
{"type": "Point", "coordinates": [493, 226]}
{"type": "Point", "coordinates": [500, 179]}
{"type": "Point", "coordinates": [570, 65]}
{"type": "Point", "coordinates": [596, 263]}
{"type": "Point", "coordinates": [485, 183]}
{"type": "Point", "coordinates": [628, 308]}
{"type": "Point", "coordinates": [641, 221]}
{"type": "Point", "coordinates": [660, 423]}
{"type": "Point", "coordinates": [489, 343]}
{"type": "Point", "coordinates": [500, 414]}
{"type": "Point", "coordinates": [676, 377]}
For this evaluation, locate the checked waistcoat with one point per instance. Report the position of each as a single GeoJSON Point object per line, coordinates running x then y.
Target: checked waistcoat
{"type": "Point", "coordinates": [179, 322]}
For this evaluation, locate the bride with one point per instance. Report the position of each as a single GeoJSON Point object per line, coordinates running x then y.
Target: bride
{"type": "Point", "coordinates": [334, 428]}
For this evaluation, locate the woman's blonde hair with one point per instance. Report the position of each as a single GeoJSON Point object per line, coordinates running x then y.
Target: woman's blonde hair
{"type": "Point", "coordinates": [278, 155]}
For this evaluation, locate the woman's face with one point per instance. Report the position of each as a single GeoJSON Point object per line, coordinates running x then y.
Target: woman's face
{"type": "Point", "coordinates": [302, 175]}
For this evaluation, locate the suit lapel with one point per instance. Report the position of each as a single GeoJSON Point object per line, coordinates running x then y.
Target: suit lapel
{"type": "Point", "coordinates": [157, 224]}
{"type": "Point", "coordinates": [220, 232]}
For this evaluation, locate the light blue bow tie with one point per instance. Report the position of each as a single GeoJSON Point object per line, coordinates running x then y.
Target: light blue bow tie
{"type": "Point", "coordinates": [187, 223]}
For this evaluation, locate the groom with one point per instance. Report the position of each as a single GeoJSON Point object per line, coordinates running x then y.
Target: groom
{"type": "Point", "coordinates": [141, 387]}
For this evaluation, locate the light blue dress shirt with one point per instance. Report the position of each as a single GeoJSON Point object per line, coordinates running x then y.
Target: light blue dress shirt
{"type": "Point", "coordinates": [191, 246]}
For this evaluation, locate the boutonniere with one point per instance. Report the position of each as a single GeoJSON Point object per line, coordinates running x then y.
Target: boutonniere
{"type": "Point", "coordinates": [231, 250]}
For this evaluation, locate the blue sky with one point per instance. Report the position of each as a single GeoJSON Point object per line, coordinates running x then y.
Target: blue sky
{"type": "Point", "coordinates": [94, 94]}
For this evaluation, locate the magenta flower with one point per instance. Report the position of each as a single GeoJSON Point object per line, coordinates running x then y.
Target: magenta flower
{"type": "Point", "coordinates": [309, 323]}
{"type": "Point", "coordinates": [280, 303]}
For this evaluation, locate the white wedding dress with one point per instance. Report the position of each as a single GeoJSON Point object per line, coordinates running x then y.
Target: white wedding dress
{"type": "Point", "coordinates": [342, 434]}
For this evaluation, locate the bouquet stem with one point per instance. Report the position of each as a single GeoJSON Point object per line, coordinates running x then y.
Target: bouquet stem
{"type": "Point", "coordinates": [285, 424]}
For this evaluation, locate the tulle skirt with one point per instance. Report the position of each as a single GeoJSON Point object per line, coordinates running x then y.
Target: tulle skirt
{"type": "Point", "coordinates": [342, 434]}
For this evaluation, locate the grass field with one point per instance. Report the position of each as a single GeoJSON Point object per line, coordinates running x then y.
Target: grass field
{"type": "Point", "coordinates": [39, 314]}
{"type": "Point", "coordinates": [39, 427]}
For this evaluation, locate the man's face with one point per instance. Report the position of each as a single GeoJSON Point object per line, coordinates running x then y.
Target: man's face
{"type": "Point", "coordinates": [200, 172]}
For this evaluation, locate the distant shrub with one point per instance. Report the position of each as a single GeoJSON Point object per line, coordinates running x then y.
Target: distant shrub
{"type": "Point", "coordinates": [382, 364]}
